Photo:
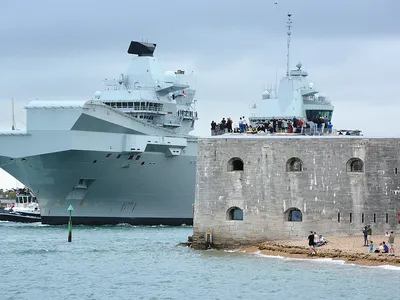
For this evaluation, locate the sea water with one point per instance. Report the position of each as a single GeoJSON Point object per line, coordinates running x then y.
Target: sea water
{"type": "Point", "coordinates": [127, 262]}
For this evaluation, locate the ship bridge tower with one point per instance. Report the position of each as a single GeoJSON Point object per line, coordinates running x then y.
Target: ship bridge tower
{"type": "Point", "coordinates": [148, 94]}
{"type": "Point", "coordinates": [296, 96]}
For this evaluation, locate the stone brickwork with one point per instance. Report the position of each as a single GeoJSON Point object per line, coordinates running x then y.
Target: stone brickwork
{"type": "Point", "coordinates": [339, 184]}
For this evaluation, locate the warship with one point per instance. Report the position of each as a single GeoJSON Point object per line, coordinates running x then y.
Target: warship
{"type": "Point", "coordinates": [124, 156]}
{"type": "Point", "coordinates": [295, 97]}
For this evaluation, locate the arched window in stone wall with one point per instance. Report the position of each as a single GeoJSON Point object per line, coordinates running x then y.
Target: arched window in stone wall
{"type": "Point", "coordinates": [355, 165]}
{"type": "Point", "coordinates": [293, 215]}
{"type": "Point", "coordinates": [294, 164]}
{"type": "Point", "coordinates": [235, 164]}
{"type": "Point", "coordinates": [234, 214]}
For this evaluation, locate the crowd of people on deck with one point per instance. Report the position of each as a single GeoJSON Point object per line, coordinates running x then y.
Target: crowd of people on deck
{"type": "Point", "coordinates": [226, 125]}
{"type": "Point", "coordinates": [274, 125]}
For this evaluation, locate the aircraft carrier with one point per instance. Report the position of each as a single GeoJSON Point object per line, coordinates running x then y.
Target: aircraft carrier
{"type": "Point", "coordinates": [124, 156]}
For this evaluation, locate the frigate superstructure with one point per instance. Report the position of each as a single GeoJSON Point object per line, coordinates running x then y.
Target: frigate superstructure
{"type": "Point", "coordinates": [125, 156]}
{"type": "Point", "coordinates": [294, 97]}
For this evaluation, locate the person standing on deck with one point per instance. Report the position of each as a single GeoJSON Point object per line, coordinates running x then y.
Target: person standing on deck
{"type": "Point", "coordinates": [241, 125]}
{"type": "Point", "coordinates": [330, 126]}
{"type": "Point", "coordinates": [213, 127]}
{"type": "Point", "coordinates": [246, 127]}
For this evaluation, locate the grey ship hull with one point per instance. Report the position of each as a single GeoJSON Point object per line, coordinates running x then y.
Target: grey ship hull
{"type": "Point", "coordinates": [136, 174]}
{"type": "Point", "coordinates": [153, 190]}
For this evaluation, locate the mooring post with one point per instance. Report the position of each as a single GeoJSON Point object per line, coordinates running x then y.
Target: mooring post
{"type": "Point", "coordinates": [208, 238]}
{"type": "Point", "coordinates": [70, 209]}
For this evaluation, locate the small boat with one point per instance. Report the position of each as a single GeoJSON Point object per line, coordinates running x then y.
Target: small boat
{"type": "Point", "coordinates": [25, 209]}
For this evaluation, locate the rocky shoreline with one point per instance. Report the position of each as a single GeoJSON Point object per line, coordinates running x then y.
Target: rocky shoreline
{"type": "Point", "coordinates": [274, 248]}
{"type": "Point", "coordinates": [349, 249]}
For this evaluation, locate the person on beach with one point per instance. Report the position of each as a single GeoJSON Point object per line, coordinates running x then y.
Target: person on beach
{"type": "Point", "coordinates": [365, 236]}
{"type": "Point", "coordinates": [311, 243]}
{"type": "Point", "coordinates": [316, 239]}
{"type": "Point", "coordinates": [322, 241]}
{"type": "Point", "coordinates": [369, 234]}
{"type": "Point", "coordinates": [391, 243]}
{"type": "Point", "coordinates": [371, 247]}
{"type": "Point", "coordinates": [379, 249]}
{"type": "Point", "coordinates": [385, 248]}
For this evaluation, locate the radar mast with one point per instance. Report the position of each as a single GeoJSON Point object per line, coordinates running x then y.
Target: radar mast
{"type": "Point", "coordinates": [13, 115]}
{"type": "Point", "coordinates": [289, 32]}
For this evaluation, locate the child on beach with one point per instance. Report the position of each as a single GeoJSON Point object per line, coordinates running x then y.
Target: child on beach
{"type": "Point", "coordinates": [371, 247]}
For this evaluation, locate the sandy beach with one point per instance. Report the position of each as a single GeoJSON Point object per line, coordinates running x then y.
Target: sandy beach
{"type": "Point", "coordinates": [347, 248]}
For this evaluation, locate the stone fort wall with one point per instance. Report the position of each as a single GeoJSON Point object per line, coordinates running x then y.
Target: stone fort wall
{"type": "Point", "coordinates": [283, 187]}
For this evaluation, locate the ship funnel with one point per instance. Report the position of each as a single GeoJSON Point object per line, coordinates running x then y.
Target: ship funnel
{"type": "Point", "coordinates": [141, 49]}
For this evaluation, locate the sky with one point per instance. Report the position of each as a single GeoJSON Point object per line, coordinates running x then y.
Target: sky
{"type": "Point", "coordinates": [62, 50]}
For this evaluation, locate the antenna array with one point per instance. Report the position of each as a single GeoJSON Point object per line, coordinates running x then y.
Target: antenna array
{"type": "Point", "coordinates": [289, 32]}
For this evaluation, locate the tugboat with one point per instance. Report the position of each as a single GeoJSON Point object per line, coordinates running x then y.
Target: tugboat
{"type": "Point", "coordinates": [25, 210]}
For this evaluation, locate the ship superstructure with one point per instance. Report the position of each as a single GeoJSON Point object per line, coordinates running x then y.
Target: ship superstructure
{"type": "Point", "coordinates": [124, 156]}
{"type": "Point", "coordinates": [295, 96]}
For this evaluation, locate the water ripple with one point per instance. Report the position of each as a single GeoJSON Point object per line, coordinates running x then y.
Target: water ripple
{"type": "Point", "coordinates": [135, 262]}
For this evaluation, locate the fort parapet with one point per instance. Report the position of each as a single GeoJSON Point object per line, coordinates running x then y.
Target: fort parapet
{"type": "Point", "coordinates": [252, 189]}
